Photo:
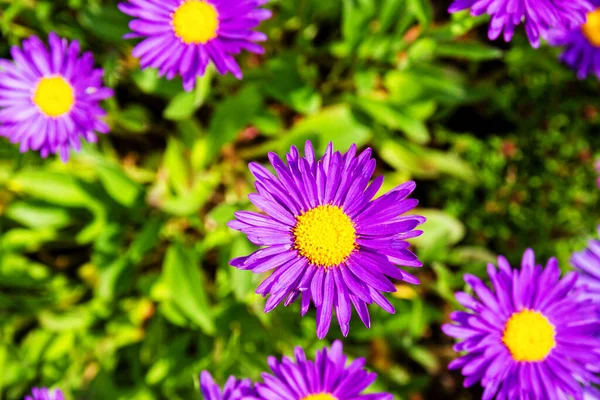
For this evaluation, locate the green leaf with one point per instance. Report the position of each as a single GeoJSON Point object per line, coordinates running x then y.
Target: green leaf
{"type": "Point", "coordinates": [335, 124]}
{"type": "Point", "coordinates": [439, 226]}
{"type": "Point", "coordinates": [186, 288]}
{"type": "Point", "coordinates": [181, 107]}
{"type": "Point", "coordinates": [470, 51]}
{"type": "Point", "coordinates": [231, 116]}
{"type": "Point", "coordinates": [52, 187]}
{"type": "Point", "coordinates": [422, 9]}
{"type": "Point", "coordinates": [177, 166]}
{"type": "Point", "coordinates": [286, 83]}
{"type": "Point", "coordinates": [134, 118]}
{"type": "Point", "coordinates": [356, 15]}
{"type": "Point", "coordinates": [118, 185]}
{"type": "Point", "coordinates": [146, 240]}
{"type": "Point", "coordinates": [395, 118]}
{"type": "Point", "coordinates": [38, 216]}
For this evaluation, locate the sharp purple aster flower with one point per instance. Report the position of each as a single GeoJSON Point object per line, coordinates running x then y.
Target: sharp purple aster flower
{"type": "Point", "coordinates": [582, 45]}
{"type": "Point", "coordinates": [49, 97]}
{"type": "Point", "coordinates": [45, 394]}
{"type": "Point", "coordinates": [532, 337]}
{"type": "Point", "coordinates": [324, 236]}
{"type": "Point", "coordinates": [325, 378]}
{"type": "Point", "coordinates": [234, 389]}
{"type": "Point", "coordinates": [587, 262]}
{"type": "Point", "coordinates": [183, 36]}
{"type": "Point", "coordinates": [539, 16]}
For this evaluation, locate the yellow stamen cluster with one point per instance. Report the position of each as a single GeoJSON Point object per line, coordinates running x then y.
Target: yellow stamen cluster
{"type": "Point", "coordinates": [54, 96]}
{"type": "Point", "coordinates": [591, 29]}
{"type": "Point", "coordinates": [195, 22]}
{"type": "Point", "coordinates": [320, 396]}
{"type": "Point", "coordinates": [529, 336]}
{"type": "Point", "coordinates": [325, 236]}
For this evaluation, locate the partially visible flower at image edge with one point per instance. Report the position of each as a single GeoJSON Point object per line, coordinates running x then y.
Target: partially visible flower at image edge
{"type": "Point", "coordinates": [49, 97]}
{"type": "Point", "coordinates": [538, 16]}
{"type": "Point", "coordinates": [587, 262]}
{"type": "Point", "coordinates": [234, 389]}
{"type": "Point", "coordinates": [45, 394]}
{"type": "Point", "coordinates": [181, 37]}
{"type": "Point", "coordinates": [532, 337]}
{"type": "Point", "coordinates": [326, 378]}
{"type": "Point", "coordinates": [325, 238]}
{"type": "Point", "coordinates": [581, 43]}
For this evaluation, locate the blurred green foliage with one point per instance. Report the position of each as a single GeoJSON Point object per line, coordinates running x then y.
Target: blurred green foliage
{"type": "Point", "coordinates": [114, 276]}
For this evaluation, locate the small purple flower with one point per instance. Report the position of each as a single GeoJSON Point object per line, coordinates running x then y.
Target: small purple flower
{"type": "Point", "coordinates": [183, 36]}
{"type": "Point", "coordinates": [234, 389]}
{"type": "Point", "coordinates": [49, 97]}
{"type": "Point", "coordinates": [325, 378]}
{"type": "Point", "coordinates": [45, 394]}
{"type": "Point", "coordinates": [532, 337]}
{"type": "Point", "coordinates": [582, 44]}
{"type": "Point", "coordinates": [539, 16]}
{"type": "Point", "coordinates": [587, 262]}
{"type": "Point", "coordinates": [324, 237]}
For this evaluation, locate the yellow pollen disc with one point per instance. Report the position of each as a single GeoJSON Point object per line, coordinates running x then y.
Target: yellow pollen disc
{"type": "Point", "coordinates": [320, 396]}
{"type": "Point", "coordinates": [54, 96]}
{"type": "Point", "coordinates": [529, 336]}
{"type": "Point", "coordinates": [325, 235]}
{"type": "Point", "coordinates": [195, 21]}
{"type": "Point", "coordinates": [591, 29]}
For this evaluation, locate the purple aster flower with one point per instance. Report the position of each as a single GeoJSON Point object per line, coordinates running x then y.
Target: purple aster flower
{"type": "Point", "coordinates": [45, 394]}
{"type": "Point", "coordinates": [531, 337]}
{"type": "Point", "coordinates": [587, 262]}
{"type": "Point", "coordinates": [234, 389]}
{"type": "Point", "coordinates": [49, 97]}
{"type": "Point", "coordinates": [325, 378]}
{"type": "Point", "coordinates": [182, 36]}
{"type": "Point", "coordinates": [539, 16]}
{"type": "Point", "coordinates": [324, 237]}
{"type": "Point", "coordinates": [582, 45]}
{"type": "Point", "coordinates": [591, 394]}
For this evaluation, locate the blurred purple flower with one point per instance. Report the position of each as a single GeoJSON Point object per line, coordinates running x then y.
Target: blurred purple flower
{"type": "Point", "coordinates": [45, 394]}
{"type": "Point", "coordinates": [539, 16]}
{"type": "Point", "coordinates": [182, 36]}
{"type": "Point", "coordinates": [49, 97]}
{"type": "Point", "coordinates": [324, 237]}
{"type": "Point", "coordinates": [582, 44]}
{"type": "Point", "coordinates": [234, 389]}
{"type": "Point", "coordinates": [587, 262]}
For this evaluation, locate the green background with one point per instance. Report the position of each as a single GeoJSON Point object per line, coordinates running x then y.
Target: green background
{"type": "Point", "coordinates": [114, 276]}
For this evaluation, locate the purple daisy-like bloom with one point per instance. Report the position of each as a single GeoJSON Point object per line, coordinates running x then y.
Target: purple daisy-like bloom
{"type": "Point", "coordinates": [234, 389]}
{"type": "Point", "coordinates": [587, 262]}
{"type": "Point", "coordinates": [183, 36]}
{"type": "Point", "coordinates": [45, 394]}
{"type": "Point", "coordinates": [49, 97]}
{"type": "Point", "coordinates": [539, 16]}
{"type": "Point", "coordinates": [324, 237]}
{"type": "Point", "coordinates": [582, 44]}
{"type": "Point", "coordinates": [591, 394]}
{"type": "Point", "coordinates": [325, 378]}
{"type": "Point", "coordinates": [533, 337]}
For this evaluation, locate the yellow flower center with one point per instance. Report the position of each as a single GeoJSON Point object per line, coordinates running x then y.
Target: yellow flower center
{"type": "Point", "coordinates": [195, 21]}
{"type": "Point", "coordinates": [320, 396]}
{"type": "Point", "coordinates": [54, 96]}
{"type": "Point", "coordinates": [325, 235]}
{"type": "Point", "coordinates": [591, 29]}
{"type": "Point", "coordinates": [529, 336]}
